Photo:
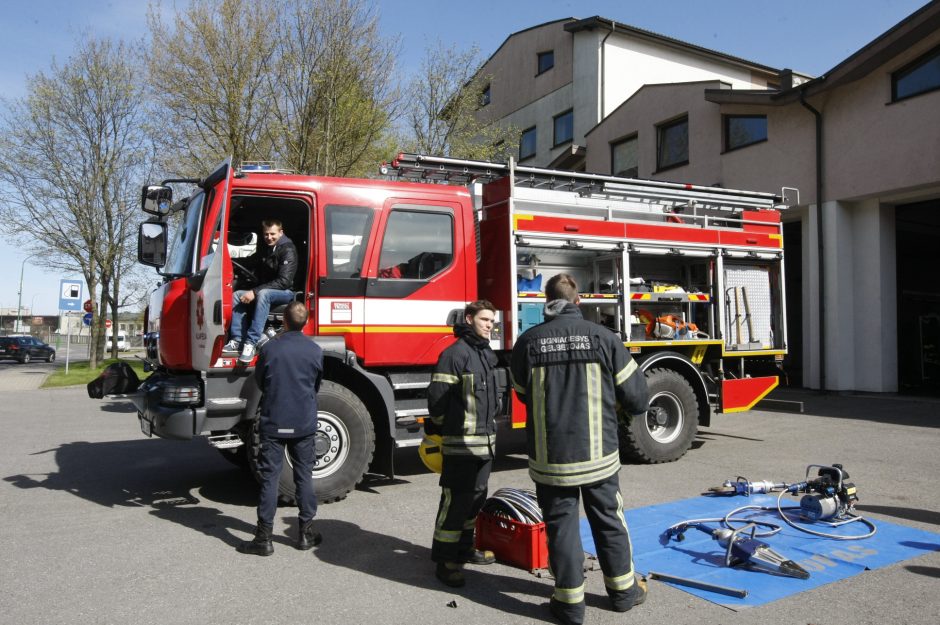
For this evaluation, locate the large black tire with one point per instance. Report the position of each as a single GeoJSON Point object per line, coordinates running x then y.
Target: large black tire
{"type": "Point", "coordinates": [344, 447]}
{"type": "Point", "coordinates": [25, 359]}
{"type": "Point", "coordinates": [50, 357]}
{"type": "Point", "coordinates": [668, 429]}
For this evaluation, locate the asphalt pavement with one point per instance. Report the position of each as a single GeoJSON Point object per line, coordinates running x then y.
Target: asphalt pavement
{"type": "Point", "coordinates": [99, 524]}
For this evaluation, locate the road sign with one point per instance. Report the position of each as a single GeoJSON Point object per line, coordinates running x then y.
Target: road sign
{"type": "Point", "coordinates": [87, 306]}
{"type": "Point", "coordinates": [107, 323]}
{"type": "Point", "coordinates": [86, 319]}
{"type": "Point", "coordinates": [70, 295]}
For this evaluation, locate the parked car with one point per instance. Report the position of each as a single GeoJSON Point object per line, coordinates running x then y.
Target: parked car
{"type": "Point", "coordinates": [121, 342]}
{"type": "Point", "coordinates": [25, 348]}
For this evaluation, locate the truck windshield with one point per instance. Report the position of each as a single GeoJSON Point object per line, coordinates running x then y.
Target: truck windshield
{"type": "Point", "coordinates": [179, 260]}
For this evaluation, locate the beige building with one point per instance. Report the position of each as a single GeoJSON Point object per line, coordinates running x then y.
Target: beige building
{"type": "Point", "coordinates": [862, 145]}
{"type": "Point", "coordinates": [556, 81]}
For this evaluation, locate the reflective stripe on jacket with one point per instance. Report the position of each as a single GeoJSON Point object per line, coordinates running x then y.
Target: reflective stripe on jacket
{"type": "Point", "coordinates": [462, 398]}
{"type": "Point", "coordinates": [571, 374]}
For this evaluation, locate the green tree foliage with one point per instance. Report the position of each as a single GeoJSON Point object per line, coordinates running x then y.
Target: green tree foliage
{"type": "Point", "coordinates": [304, 83]}
{"type": "Point", "coordinates": [333, 95]}
{"type": "Point", "coordinates": [210, 74]}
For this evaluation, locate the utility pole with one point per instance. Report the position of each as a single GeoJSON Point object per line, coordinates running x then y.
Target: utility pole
{"type": "Point", "coordinates": [19, 294]}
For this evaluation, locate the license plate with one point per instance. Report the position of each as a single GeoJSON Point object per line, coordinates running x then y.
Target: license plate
{"type": "Point", "coordinates": [145, 426]}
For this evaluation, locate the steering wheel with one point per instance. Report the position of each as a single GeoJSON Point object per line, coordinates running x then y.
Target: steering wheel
{"type": "Point", "coordinates": [243, 271]}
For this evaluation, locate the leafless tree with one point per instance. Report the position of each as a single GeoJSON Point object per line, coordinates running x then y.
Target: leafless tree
{"type": "Point", "coordinates": [71, 155]}
{"type": "Point", "coordinates": [443, 104]}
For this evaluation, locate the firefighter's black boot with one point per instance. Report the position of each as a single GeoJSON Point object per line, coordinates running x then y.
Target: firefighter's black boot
{"type": "Point", "coordinates": [261, 544]}
{"type": "Point", "coordinates": [308, 538]}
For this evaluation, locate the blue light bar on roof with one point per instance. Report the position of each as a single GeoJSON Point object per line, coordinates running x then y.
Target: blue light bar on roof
{"type": "Point", "coordinates": [258, 166]}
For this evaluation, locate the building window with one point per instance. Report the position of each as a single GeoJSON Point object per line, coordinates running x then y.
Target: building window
{"type": "Point", "coordinates": [742, 130]}
{"type": "Point", "coordinates": [546, 61]}
{"type": "Point", "coordinates": [919, 77]}
{"type": "Point", "coordinates": [672, 146]}
{"type": "Point", "coordinates": [527, 143]}
{"type": "Point", "coordinates": [485, 96]}
{"type": "Point", "coordinates": [624, 160]}
{"type": "Point", "coordinates": [564, 128]}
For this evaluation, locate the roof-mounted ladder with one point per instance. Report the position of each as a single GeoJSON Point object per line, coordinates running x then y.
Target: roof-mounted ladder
{"type": "Point", "coordinates": [671, 196]}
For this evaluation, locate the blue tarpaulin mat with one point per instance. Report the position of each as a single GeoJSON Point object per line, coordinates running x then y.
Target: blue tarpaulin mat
{"type": "Point", "coordinates": [701, 558]}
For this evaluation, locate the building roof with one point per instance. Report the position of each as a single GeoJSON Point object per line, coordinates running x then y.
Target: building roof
{"type": "Point", "coordinates": [888, 45]}
{"type": "Point", "coordinates": [591, 23]}
{"type": "Point", "coordinates": [525, 30]}
{"type": "Point", "coordinates": [575, 25]}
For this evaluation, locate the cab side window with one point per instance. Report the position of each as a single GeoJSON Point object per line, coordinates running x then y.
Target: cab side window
{"type": "Point", "coordinates": [417, 245]}
{"type": "Point", "coordinates": [347, 232]}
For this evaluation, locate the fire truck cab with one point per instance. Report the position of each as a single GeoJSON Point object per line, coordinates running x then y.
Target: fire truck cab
{"type": "Point", "coordinates": [690, 278]}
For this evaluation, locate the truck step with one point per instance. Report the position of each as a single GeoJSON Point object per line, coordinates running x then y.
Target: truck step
{"type": "Point", "coordinates": [410, 381]}
{"type": "Point", "coordinates": [225, 441]}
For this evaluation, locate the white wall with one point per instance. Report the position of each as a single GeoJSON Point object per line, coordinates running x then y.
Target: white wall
{"type": "Point", "coordinates": [860, 302]}
{"type": "Point", "coordinates": [632, 63]}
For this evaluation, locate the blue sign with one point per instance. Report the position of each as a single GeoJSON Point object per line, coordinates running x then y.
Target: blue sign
{"type": "Point", "coordinates": [70, 295]}
{"type": "Point", "coordinates": [86, 319]}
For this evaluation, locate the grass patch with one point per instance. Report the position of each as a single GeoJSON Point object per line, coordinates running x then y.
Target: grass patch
{"type": "Point", "coordinates": [81, 373]}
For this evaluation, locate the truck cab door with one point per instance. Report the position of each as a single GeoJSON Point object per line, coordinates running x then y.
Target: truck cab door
{"type": "Point", "coordinates": [212, 278]}
{"type": "Point", "coordinates": [421, 276]}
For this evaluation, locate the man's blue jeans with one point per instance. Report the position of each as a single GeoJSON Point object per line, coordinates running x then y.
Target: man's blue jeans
{"type": "Point", "coordinates": [264, 300]}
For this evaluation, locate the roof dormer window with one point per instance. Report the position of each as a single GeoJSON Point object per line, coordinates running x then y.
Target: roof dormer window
{"type": "Point", "coordinates": [546, 61]}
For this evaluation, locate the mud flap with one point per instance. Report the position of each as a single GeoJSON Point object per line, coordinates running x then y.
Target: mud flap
{"type": "Point", "coordinates": [741, 394]}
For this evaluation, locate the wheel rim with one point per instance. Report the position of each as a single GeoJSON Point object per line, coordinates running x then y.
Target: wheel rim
{"type": "Point", "coordinates": [332, 444]}
{"type": "Point", "coordinates": [665, 418]}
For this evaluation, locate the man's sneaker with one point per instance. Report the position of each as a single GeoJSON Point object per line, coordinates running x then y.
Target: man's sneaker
{"type": "Point", "coordinates": [451, 573]}
{"type": "Point", "coordinates": [248, 353]}
{"type": "Point", "coordinates": [232, 347]}
{"type": "Point", "coordinates": [477, 557]}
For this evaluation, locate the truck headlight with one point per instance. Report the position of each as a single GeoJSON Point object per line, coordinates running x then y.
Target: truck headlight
{"type": "Point", "coordinates": [184, 395]}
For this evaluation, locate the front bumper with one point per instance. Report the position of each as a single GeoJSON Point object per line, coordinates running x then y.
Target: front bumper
{"type": "Point", "coordinates": [179, 422]}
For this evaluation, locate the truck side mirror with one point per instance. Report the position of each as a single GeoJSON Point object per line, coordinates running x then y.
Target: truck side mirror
{"type": "Point", "coordinates": [156, 199]}
{"type": "Point", "coordinates": [151, 244]}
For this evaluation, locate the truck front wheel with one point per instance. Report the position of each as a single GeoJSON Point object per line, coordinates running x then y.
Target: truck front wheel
{"type": "Point", "coordinates": [666, 433]}
{"type": "Point", "coordinates": [345, 442]}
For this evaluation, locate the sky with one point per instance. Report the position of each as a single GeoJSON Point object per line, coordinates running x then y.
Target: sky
{"type": "Point", "coordinates": [808, 36]}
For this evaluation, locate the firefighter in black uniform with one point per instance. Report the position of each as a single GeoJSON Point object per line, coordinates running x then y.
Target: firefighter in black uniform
{"type": "Point", "coordinates": [288, 372]}
{"type": "Point", "coordinates": [462, 403]}
{"type": "Point", "coordinates": [571, 374]}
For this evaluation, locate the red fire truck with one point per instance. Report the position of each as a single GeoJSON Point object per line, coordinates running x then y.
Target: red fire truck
{"type": "Point", "coordinates": [690, 277]}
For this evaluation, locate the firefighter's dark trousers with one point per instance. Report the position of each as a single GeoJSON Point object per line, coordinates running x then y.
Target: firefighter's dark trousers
{"type": "Point", "coordinates": [603, 506]}
{"type": "Point", "coordinates": [302, 453]}
{"type": "Point", "coordinates": [463, 491]}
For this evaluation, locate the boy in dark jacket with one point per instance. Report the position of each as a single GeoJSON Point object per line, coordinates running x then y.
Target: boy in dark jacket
{"type": "Point", "coordinates": [274, 265]}
{"type": "Point", "coordinates": [462, 402]}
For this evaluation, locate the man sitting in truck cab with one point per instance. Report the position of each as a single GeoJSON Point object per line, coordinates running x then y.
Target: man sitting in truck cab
{"type": "Point", "coordinates": [274, 265]}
